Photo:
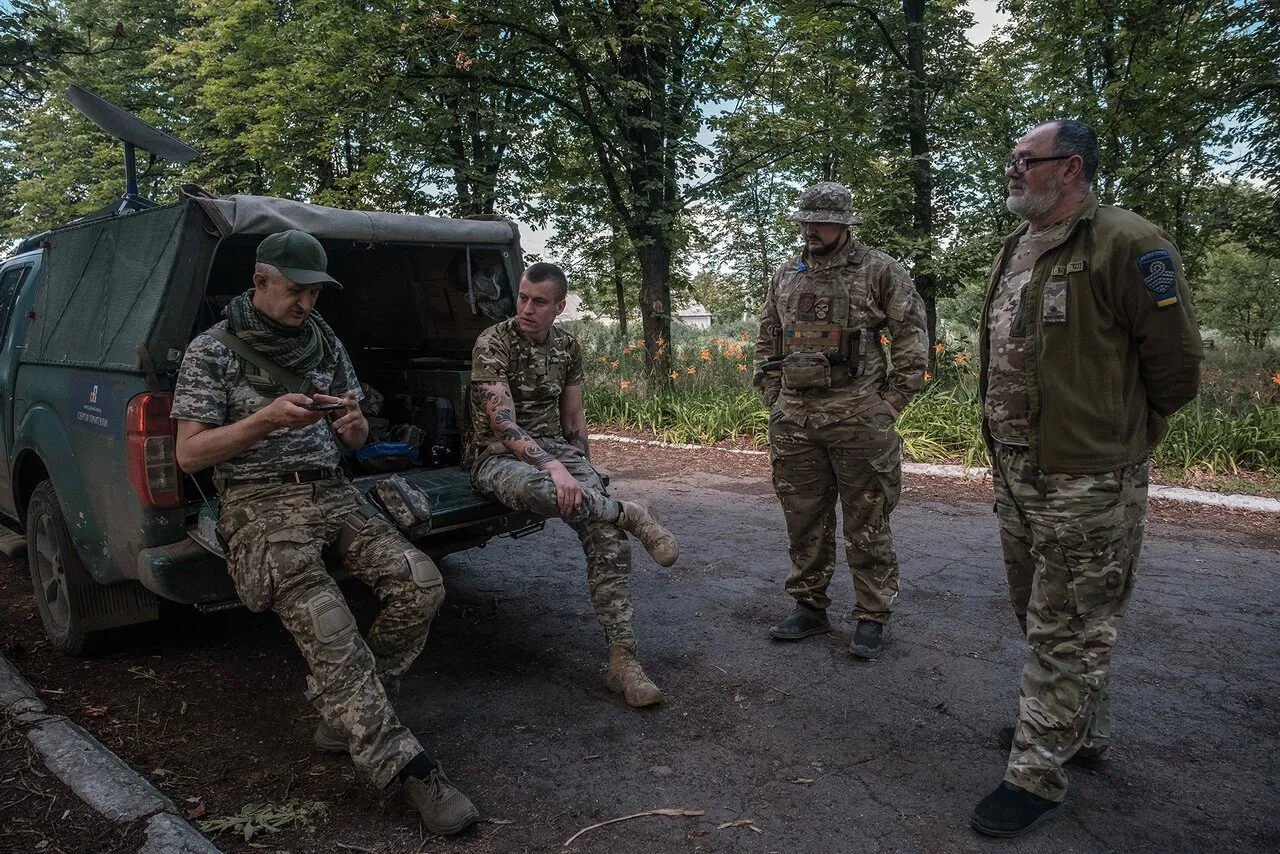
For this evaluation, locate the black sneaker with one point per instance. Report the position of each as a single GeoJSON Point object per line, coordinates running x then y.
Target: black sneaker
{"type": "Point", "coordinates": [800, 623]}
{"type": "Point", "coordinates": [1086, 757]}
{"type": "Point", "coordinates": [1012, 811]}
{"type": "Point", "coordinates": [869, 639]}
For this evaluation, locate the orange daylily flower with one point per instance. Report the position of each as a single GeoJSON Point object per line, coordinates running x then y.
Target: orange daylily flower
{"type": "Point", "coordinates": [884, 339]}
{"type": "Point", "coordinates": [1276, 378]}
{"type": "Point", "coordinates": [927, 376]}
{"type": "Point", "coordinates": [961, 358]}
{"type": "Point", "coordinates": [939, 347]}
{"type": "Point", "coordinates": [639, 342]}
{"type": "Point", "coordinates": [624, 385]}
{"type": "Point", "coordinates": [675, 375]}
{"type": "Point", "coordinates": [745, 337]}
{"type": "Point", "coordinates": [742, 368]}
{"type": "Point", "coordinates": [614, 363]}
{"type": "Point", "coordinates": [626, 351]}
{"type": "Point", "coordinates": [692, 370]}
{"type": "Point", "coordinates": [659, 341]}
{"type": "Point", "coordinates": [705, 355]}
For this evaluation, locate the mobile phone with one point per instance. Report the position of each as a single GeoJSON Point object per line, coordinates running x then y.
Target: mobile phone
{"type": "Point", "coordinates": [323, 407]}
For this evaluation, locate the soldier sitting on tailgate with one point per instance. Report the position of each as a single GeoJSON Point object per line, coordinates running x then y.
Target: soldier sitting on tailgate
{"type": "Point", "coordinates": [530, 450]}
{"type": "Point", "coordinates": [284, 499]}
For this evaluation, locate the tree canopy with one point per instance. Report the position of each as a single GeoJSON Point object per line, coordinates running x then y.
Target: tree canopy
{"type": "Point", "coordinates": [663, 141]}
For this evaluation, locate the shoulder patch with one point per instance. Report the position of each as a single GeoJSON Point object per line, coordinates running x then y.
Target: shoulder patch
{"type": "Point", "coordinates": [1159, 276]}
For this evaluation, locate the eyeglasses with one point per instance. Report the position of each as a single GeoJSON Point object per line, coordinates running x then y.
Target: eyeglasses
{"type": "Point", "coordinates": [1020, 165]}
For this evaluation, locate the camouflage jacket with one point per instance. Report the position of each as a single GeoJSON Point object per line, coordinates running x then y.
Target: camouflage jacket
{"type": "Point", "coordinates": [537, 374]}
{"type": "Point", "coordinates": [212, 389]}
{"type": "Point", "coordinates": [1113, 348]}
{"type": "Point", "coordinates": [866, 293]}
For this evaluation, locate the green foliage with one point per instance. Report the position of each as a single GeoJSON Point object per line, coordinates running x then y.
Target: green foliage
{"type": "Point", "coordinates": [1228, 430]}
{"type": "Point", "coordinates": [1239, 294]}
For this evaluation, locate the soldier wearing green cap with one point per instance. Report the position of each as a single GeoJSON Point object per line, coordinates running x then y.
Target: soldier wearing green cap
{"type": "Point", "coordinates": [284, 499]}
{"type": "Point", "coordinates": [842, 348]}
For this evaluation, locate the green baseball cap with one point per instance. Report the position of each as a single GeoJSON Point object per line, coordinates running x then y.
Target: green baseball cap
{"type": "Point", "coordinates": [299, 256]}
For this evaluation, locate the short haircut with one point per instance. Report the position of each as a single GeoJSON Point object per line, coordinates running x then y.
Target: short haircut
{"type": "Point", "coordinates": [271, 271]}
{"type": "Point", "coordinates": [544, 272]}
{"type": "Point", "coordinates": [1076, 137]}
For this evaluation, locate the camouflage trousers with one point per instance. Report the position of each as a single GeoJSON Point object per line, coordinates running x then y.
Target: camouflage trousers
{"type": "Point", "coordinates": [521, 486]}
{"type": "Point", "coordinates": [858, 460]}
{"type": "Point", "coordinates": [1071, 545]}
{"type": "Point", "coordinates": [275, 535]}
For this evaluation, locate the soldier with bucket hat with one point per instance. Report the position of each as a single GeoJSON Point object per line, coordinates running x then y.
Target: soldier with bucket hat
{"type": "Point", "coordinates": [842, 349]}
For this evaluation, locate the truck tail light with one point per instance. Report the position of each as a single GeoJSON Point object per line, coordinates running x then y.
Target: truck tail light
{"type": "Point", "coordinates": [149, 447]}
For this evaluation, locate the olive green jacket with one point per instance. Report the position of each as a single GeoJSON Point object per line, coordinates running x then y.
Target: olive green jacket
{"type": "Point", "coordinates": [1114, 347]}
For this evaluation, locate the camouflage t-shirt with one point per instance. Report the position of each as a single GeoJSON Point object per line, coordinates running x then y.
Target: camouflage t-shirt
{"type": "Point", "coordinates": [212, 390]}
{"type": "Point", "coordinates": [1007, 406]}
{"type": "Point", "coordinates": [537, 375]}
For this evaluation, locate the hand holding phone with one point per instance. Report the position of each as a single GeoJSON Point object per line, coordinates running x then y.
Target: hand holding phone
{"type": "Point", "coordinates": [323, 407]}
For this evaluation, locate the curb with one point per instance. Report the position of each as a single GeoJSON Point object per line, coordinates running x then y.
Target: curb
{"type": "Point", "coordinates": [97, 776]}
{"type": "Point", "coordinates": [1179, 494]}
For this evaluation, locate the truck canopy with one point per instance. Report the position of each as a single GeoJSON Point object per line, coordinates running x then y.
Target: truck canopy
{"type": "Point", "coordinates": [114, 275]}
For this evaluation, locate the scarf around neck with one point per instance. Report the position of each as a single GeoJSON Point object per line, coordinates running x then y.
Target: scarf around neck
{"type": "Point", "coordinates": [298, 348]}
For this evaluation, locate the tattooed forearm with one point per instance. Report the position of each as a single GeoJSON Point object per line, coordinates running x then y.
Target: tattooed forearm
{"type": "Point", "coordinates": [496, 398]}
{"type": "Point", "coordinates": [578, 439]}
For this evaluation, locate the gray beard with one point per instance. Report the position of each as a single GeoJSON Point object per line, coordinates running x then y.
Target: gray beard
{"type": "Point", "coordinates": [1031, 206]}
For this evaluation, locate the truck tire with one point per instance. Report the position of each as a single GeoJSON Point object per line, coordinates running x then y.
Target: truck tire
{"type": "Point", "coordinates": [62, 586]}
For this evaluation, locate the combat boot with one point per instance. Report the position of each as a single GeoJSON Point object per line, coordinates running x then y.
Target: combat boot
{"type": "Point", "coordinates": [443, 808]}
{"type": "Point", "coordinates": [641, 521]}
{"type": "Point", "coordinates": [330, 740]}
{"type": "Point", "coordinates": [627, 677]}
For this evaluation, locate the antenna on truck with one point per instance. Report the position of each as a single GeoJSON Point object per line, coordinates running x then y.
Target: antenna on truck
{"type": "Point", "coordinates": [134, 133]}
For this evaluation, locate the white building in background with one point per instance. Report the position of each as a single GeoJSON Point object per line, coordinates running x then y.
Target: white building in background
{"type": "Point", "coordinates": [573, 310]}
{"type": "Point", "coordinates": [694, 314]}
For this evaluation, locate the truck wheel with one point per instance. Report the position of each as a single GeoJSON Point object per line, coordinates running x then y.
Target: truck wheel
{"type": "Point", "coordinates": [61, 583]}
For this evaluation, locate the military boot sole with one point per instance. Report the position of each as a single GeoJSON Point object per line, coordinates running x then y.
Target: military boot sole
{"type": "Point", "coordinates": [1009, 832]}
{"type": "Point", "coordinates": [328, 741]}
{"type": "Point", "coordinates": [792, 635]}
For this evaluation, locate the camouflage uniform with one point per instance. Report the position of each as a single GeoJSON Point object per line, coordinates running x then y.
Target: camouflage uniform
{"type": "Point", "coordinates": [1078, 315]}
{"type": "Point", "coordinates": [275, 534]}
{"type": "Point", "coordinates": [835, 435]}
{"type": "Point", "coordinates": [537, 375]}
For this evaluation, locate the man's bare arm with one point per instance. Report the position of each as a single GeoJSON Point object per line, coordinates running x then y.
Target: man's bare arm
{"type": "Point", "coordinates": [501, 410]}
{"type": "Point", "coordinates": [573, 419]}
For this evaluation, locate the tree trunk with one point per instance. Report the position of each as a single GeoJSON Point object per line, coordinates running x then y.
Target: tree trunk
{"type": "Point", "coordinates": [921, 167]}
{"type": "Point", "coordinates": [655, 310]}
{"type": "Point", "coordinates": [620, 291]}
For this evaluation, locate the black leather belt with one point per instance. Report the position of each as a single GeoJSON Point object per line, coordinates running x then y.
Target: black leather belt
{"type": "Point", "coordinates": [286, 477]}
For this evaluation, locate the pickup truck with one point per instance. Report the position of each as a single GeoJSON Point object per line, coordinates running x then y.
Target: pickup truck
{"type": "Point", "coordinates": [94, 318]}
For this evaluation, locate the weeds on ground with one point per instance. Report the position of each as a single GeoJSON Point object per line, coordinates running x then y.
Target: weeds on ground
{"type": "Point", "coordinates": [253, 819]}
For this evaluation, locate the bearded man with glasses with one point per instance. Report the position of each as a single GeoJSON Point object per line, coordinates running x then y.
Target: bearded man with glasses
{"type": "Point", "coordinates": [1089, 345]}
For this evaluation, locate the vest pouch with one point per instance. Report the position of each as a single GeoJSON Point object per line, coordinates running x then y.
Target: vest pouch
{"type": "Point", "coordinates": [407, 504]}
{"type": "Point", "coordinates": [802, 371]}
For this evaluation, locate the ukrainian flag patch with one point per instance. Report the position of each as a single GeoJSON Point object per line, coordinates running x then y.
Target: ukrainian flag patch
{"type": "Point", "coordinates": [1160, 277]}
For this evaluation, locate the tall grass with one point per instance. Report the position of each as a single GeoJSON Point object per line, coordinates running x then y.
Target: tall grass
{"type": "Point", "coordinates": [1234, 426]}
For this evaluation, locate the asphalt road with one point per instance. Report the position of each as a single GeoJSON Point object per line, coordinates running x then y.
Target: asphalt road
{"type": "Point", "coordinates": [824, 753]}
{"type": "Point", "coordinates": [801, 747]}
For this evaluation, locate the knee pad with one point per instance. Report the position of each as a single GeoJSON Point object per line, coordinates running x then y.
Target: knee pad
{"type": "Point", "coordinates": [331, 619]}
{"type": "Point", "coordinates": [422, 569]}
